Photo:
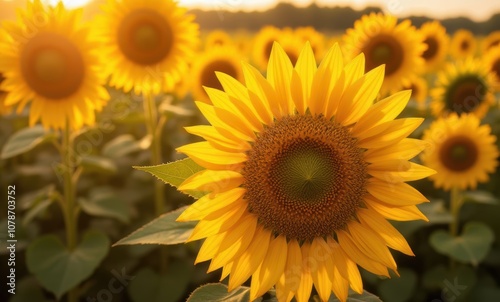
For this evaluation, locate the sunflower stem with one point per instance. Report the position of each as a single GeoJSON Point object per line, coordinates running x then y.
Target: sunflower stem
{"type": "Point", "coordinates": [68, 206]}
{"type": "Point", "coordinates": [455, 205]}
{"type": "Point", "coordinates": [155, 131]}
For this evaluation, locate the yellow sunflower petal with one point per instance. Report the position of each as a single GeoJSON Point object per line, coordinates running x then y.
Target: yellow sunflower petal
{"type": "Point", "coordinates": [207, 156]}
{"type": "Point", "coordinates": [391, 236]}
{"type": "Point", "coordinates": [247, 263]}
{"type": "Point", "coordinates": [271, 268]}
{"type": "Point", "coordinates": [396, 194]}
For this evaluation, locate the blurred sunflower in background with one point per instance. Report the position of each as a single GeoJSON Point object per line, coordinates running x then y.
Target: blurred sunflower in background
{"type": "Point", "coordinates": [492, 61]}
{"type": "Point", "coordinates": [463, 87]}
{"type": "Point", "coordinates": [291, 44]}
{"type": "Point", "coordinates": [217, 38]}
{"type": "Point", "coordinates": [437, 42]}
{"type": "Point", "coordinates": [463, 44]}
{"type": "Point", "coordinates": [419, 90]}
{"type": "Point", "coordinates": [56, 68]}
{"type": "Point", "coordinates": [461, 151]}
{"type": "Point", "coordinates": [263, 43]}
{"type": "Point", "coordinates": [383, 41]}
{"type": "Point", "coordinates": [302, 167]}
{"type": "Point", "coordinates": [4, 109]}
{"type": "Point", "coordinates": [148, 44]}
{"type": "Point", "coordinates": [491, 40]}
{"type": "Point", "coordinates": [315, 38]}
{"type": "Point", "coordinates": [224, 59]}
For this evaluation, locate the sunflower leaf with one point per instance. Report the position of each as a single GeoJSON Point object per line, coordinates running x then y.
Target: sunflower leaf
{"type": "Point", "coordinates": [121, 146]}
{"type": "Point", "coordinates": [218, 292]}
{"type": "Point", "coordinates": [471, 246]}
{"type": "Point", "coordinates": [59, 269]}
{"type": "Point", "coordinates": [25, 140]}
{"type": "Point", "coordinates": [355, 297]}
{"type": "Point", "coordinates": [175, 173]}
{"type": "Point", "coordinates": [163, 230]}
{"type": "Point", "coordinates": [481, 197]}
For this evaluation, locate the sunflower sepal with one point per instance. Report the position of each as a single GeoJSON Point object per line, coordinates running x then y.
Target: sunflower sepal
{"type": "Point", "coordinates": [164, 230]}
{"type": "Point", "coordinates": [175, 173]}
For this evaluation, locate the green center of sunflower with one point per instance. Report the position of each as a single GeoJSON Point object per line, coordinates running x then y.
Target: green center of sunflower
{"type": "Point", "coordinates": [145, 37]}
{"type": "Point", "coordinates": [305, 177]}
{"type": "Point", "coordinates": [458, 153]}
{"type": "Point", "coordinates": [465, 94]}
{"type": "Point", "coordinates": [432, 48]}
{"type": "Point", "coordinates": [208, 77]}
{"type": "Point", "coordinates": [52, 66]}
{"type": "Point", "coordinates": [384, 49]}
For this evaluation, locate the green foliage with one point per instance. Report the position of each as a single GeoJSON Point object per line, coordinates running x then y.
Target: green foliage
{"type": "Point", "coordinates": [149, 286]}
{"type": "Point", "coordinates": [162, 230]}
{"type": "Point", "coordinates": [175, 173]}
{"type": "Point", "coordinates": [59, 269]}
{"type": "Point", "coordinates": [399, 289]}
{"type": "Point", "coordinates": [25, 140]}
{"type": "Point", "coordinates": [471, 247]}
{"type": "Point", "coordinates": [105, 203]}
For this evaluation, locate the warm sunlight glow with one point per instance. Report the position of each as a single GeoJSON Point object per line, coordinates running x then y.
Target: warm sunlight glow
{"type": "Point", "coordinates": [71, 3]}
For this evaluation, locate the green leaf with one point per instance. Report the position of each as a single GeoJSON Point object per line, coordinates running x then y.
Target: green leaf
{"type": "Point", "coordinates": [28, 289]}
{"type": "Point", "coordinates": [481, 197]}
{"type": "Point", "coordinates": [355, 297]}
{"type": "Point", "coordinates": [436, 212]}
{"type": "Point", "coordinates": [59, 269]}
{"type": "Point", "coordinates": [175, 173]}
{"type": "Point", "coordinates": [148, 286]}
{"type": "Point", "coordinates": [98, 164]}
{"type": "Point", "coordinates": [105, 203]}
{"type": "Point", "coordinates": [121, 146]}
{"type": "Point", "coordinates": [215, 292]}
{"type": "Point", "coordinates": [398, 289]}
{"type": "Point", "coordinates": [162, 230]}
{"type": "Point", "coordinates": [470, 247]}
{"type": "Point", "coordinates": [36, 210]}
{"type": "Point", "coordinates": [25, 140]}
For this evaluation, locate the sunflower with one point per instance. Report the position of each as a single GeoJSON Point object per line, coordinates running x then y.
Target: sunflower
{"type": "Point", "coordinates": [463, 44]}
{"type": "Point", "coordinates": [463, 87]}
{"type": "Point", "coordinates": [224, 59]}
{"type": "Point", "coordinates": [148, 43]}
{"type": "Point", "coordinates": [56, 67]}
{"type": "Point", "coordinates": [301, 170]}
{"type": "Point", "coordinates": [462, 153]}
{"type": "Point", "coordinates": [491, 40]}
{"type": "Point", "coordinates": [4, 110]}
{"type": "Point", "coordinates": [492, 61]}
{"type": "Point", "coordinates": [437, 42]}
{"type": "Point", "coordinates": [217, 38]}
{"type": "Point", "coordinates": [383, 41]}
{"type": "Point", "coordinates": [419, 89]}
{"type": "Point", "coordinates": [263, 43]}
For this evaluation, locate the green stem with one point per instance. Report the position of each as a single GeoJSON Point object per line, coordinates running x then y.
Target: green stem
{"type": "Point", "coordinates": [155, 130]}
{"type": "Point", "coordinates": [68, 206]}
{"type": "Point", "coordinates": [455, 205]}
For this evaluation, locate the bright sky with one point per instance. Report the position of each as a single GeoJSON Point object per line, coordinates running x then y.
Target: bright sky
{"type": "Point", "coordinates": [478, 10]}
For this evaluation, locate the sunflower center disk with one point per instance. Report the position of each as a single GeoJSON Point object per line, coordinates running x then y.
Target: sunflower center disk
{"type": "Point", "coordinates": [459, 154]}
{"type": "Point", "coordinates": [465, 95]}
{"type": "Point", "coordinates": [52, 66]}
{"type": "Point", "coordinates": [145, 37]}
{"type": "Point", "coordinates": [496, 68]}
{"type": "Point", "coordinates": [305, 177]}
{"type": "Point", "coordinates": [432, 48]}
{"type": "Point", "coordinates": [384, 50]}
{"type": "Point", "coordinates": [464, 45]}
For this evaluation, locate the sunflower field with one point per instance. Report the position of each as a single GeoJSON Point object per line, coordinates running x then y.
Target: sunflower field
{"type": "Point", "coordinates": [147, 157]}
